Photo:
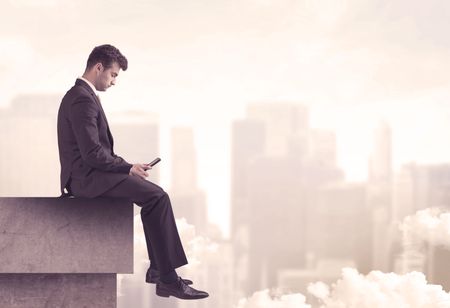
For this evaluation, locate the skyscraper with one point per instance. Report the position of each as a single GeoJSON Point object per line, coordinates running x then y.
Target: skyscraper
{"type": "Point", "coordinates": [380, 164]}
{"type": "Point", "coordinates": [189, 201]}
{"type": "Point", "coordinates": [136, 137]}
{"type": "Point", "coordinates": [281, 121]}
{"type": "Point", "coordinates": [277, 164]}
{"type": "Point", "coordinates": [339, 225]}
{"type": "Point", "coordinates": [380, 194]}
{"type": "Point", "coordinates": [247, 145]}
{"type": "Point", "coordinates": [323, 148]}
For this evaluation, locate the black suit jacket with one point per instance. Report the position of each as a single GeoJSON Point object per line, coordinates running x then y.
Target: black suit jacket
{"type": "Point", "coordinates": [86, 145]}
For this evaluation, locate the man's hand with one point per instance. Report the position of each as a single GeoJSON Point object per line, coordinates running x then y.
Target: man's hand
{"type": "Point", "coordinates": [139, 170]}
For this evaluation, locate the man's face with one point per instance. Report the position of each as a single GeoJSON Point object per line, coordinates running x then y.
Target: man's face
{"type": "Point", "coordinates": [106, 77]}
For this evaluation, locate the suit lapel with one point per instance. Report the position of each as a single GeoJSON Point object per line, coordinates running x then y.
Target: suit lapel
{"type": "Point", "coordinates": [97, 101]}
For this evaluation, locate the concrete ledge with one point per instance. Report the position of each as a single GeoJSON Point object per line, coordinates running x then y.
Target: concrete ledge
{"type": "Point", "coordinates": [57, 290]}
{"type": "Point", "coordinates": [71, 235]}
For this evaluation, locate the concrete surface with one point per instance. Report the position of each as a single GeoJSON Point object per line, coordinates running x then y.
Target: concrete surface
{"type": "Point", "coordinates": [71, 235]}
{"type": "Point", "coordinates": [58, 290]}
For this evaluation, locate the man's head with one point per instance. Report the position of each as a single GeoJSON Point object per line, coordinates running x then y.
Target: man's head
{"type": "Point", "coordinates": [103, 66]}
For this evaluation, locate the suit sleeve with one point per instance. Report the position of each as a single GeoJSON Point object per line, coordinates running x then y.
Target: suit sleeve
{"type": "Point", "coordinates": [83, 116]}
{"type": "Point", "coordinates": [121, 159]}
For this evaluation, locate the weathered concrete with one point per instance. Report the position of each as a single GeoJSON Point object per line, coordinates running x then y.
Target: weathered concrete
{"type": "Point", "coordinates": [57, 290]}
{"type": "Point", "coordinates": [63, 252]}
{"type": "Point", "coordinates": [72, 235]}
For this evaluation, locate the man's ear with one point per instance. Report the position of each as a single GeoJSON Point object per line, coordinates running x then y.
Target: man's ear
{"type": "Point", "coordinates": [99, 67]}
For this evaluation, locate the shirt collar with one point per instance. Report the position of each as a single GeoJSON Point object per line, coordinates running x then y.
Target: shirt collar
{"type": "Point", "coordinates": [89, 83]}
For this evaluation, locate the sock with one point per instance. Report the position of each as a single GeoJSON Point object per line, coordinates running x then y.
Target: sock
{"type": "Point", "coordinates": [169, 277]}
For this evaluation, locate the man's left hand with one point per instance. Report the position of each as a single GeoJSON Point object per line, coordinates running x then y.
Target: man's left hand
{"type": "Point", "coordinates": [140, 170]}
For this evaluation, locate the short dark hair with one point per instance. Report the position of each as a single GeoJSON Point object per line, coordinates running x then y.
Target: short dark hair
{"type": "Point", "coordinates": [106, 55]}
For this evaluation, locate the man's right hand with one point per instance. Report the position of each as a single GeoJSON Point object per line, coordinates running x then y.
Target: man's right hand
{"type": "Point", "coordinates": [139, 170]}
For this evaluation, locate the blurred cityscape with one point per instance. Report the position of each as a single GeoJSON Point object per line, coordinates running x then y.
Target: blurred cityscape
{"type": "Point", "coordinates": [295, 219]}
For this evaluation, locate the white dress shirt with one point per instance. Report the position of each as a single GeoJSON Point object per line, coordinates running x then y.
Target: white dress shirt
{"type": "Point", "coordinates": [90, 84]}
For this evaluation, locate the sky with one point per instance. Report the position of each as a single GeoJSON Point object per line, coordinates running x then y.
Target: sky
{"type": "Point", "coordinates": [200, 62]}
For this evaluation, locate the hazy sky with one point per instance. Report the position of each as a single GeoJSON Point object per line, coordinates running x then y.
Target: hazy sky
{"type": "Point", "coordinates": [200, 62]}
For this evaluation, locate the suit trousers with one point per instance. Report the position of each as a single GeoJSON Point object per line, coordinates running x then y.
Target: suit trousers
{"type": "Point", "coordinates": [161, 234]}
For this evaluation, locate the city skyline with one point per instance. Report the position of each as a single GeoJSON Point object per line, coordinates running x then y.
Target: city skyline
{"type": "Point", "coordinates": [291, 178]}
{"type": "Point", "coordinates": [218, 192]}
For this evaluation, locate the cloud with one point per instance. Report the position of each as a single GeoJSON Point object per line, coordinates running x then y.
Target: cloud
{"type": "Point", "coordinates": [264, 299]}
{"type": "Point", "coordinates": [383, 290]}
{"type": "Point", "coordinates": [355, 290]}
{"type": "Point", "coordinates": [196, 247]}
{"type": "Point", "coordinates": [431, 225]}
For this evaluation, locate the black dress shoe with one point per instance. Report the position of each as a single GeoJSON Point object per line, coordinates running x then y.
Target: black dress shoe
{"type": "Point", "coordinates": [153, 275]}
{"type": "Point", "coordinates": [179, 289]}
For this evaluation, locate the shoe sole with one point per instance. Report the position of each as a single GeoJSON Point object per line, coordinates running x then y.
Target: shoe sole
{"type": "Point", "coordinates": [165, 294]}
{"type": "Point", "coordinates": [162, 294]}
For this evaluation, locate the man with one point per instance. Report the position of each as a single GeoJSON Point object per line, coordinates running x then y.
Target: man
{"type": "Point", "coordinates": [90, 168]}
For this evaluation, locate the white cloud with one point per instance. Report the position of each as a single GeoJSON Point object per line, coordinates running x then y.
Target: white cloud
{"type": "Point", "coordinates": [383, 290]}
{"type": "Point", "coordinates": [355, 290]}
{"type": "Point", "coordinates": [264, 299]}
{"type": "Point", "coordinates": [319, 289]}
{"type": "Point", "coordinates": [431, 225]}
{"type": "Point", "coordinates": [196, 246]}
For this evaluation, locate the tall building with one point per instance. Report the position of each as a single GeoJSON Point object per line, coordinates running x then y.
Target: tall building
{"type": "Point", "coordinates": [339, 225]}
{"type": "Point", "coordinates": [277, 162]}
{"type": "Point", "coordinates": [282, 193]}
{"type": "Point", "coordinates": [380, 194]}
{"type": "Point", "coordinates": [438, 259]}
{"type": "Point", "coordinates": [282, 123]}
{"type": "Point", "coordinates": [136, 138]}
{"type": "Point", "coordinates": [278, 200]}
{"type": "Point", "coordinates": [418, 187]}
{"type": "Point", "coordinates": [380, 164]}
{"type": "Point", "coordinates": [184, 161]}
{"type": "Point", "coordinates": [247, 145]}
{"type": "Point", "coordinates": [188, 200]}
{"type": "Point", "coordinates": [412, 256]}
{"type": "Point", "coordinates": [411, 190]}
{"type": "Point", "coordinates": [269, 129]}
{"type": "Point", "coordinates": [421, 186]}
{"type": "Point", "coordinates": [323, 148]}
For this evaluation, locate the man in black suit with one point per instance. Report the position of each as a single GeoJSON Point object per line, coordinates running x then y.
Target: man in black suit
{"type": "Point", "coordinates": [90, 168]}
